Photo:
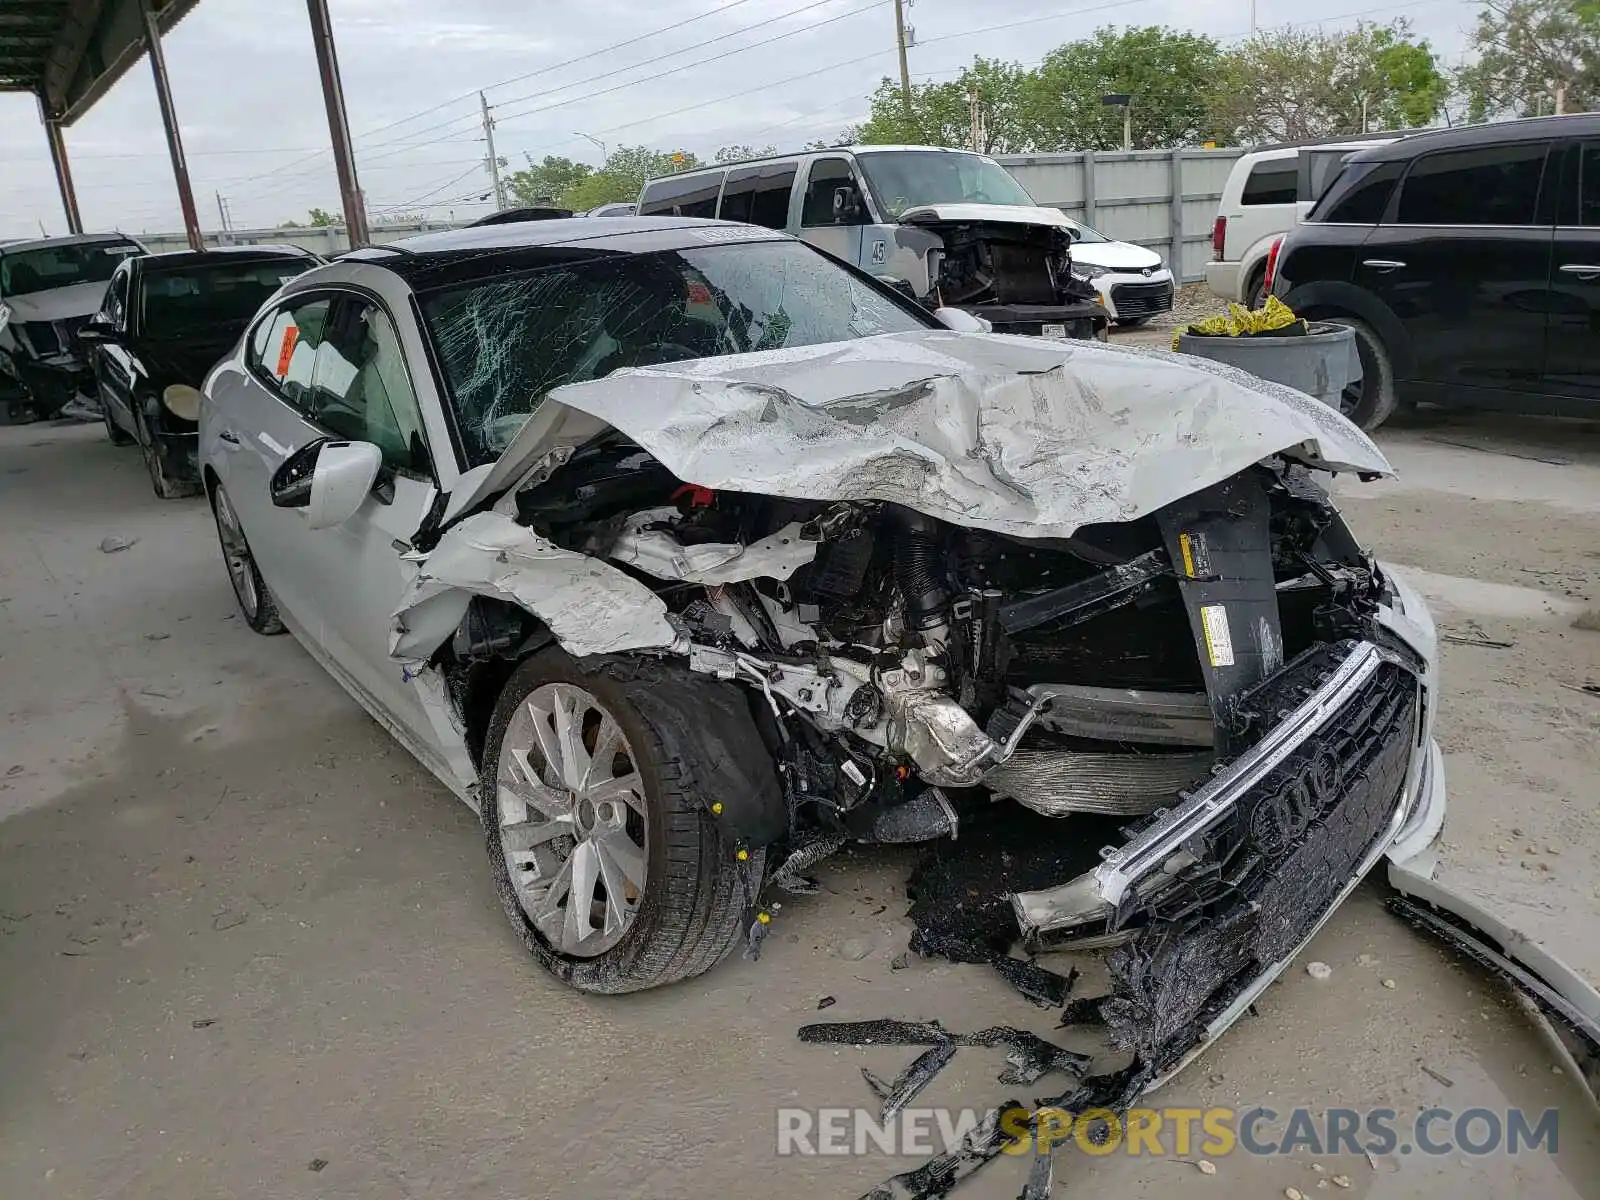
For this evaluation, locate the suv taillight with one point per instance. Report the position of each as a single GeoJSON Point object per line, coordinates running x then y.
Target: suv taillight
{"type": "Point", "coordinates": [1272, 265]}
{"type": "Point", "coordinates": [1219, 237]}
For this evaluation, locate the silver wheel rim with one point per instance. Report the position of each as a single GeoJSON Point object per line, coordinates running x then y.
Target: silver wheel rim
{"type": "Point", "coordinates": [573, 823]}
{"type": "Point", "coordinates": [236, 553]}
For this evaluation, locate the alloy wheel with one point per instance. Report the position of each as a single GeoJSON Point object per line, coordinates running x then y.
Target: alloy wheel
{"type": "Point", "coordinates": [236, 553]}
{"type": "Point", "coordinates": [572, 819]}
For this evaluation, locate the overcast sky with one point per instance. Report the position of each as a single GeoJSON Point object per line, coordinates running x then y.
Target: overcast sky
{"type": "Point", "coordinates": [245, 83]}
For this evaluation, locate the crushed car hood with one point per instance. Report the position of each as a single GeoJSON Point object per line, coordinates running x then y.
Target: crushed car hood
{"type": "Point", "coordinates": [1011, 434]}
{"type": "Point", "coordinates": [1013, 214]}
{"type": "Point", "coordinates": [56, 304]}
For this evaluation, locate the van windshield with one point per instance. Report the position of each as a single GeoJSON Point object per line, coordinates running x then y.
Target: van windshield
{"type": "Point", "coordinates": [904, 179]}
{"type": "Point", "coordinates": [64, 265]}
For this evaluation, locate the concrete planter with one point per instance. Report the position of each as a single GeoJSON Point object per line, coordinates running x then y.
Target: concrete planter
{"type": "Point", "coordinates": [1321, 364]}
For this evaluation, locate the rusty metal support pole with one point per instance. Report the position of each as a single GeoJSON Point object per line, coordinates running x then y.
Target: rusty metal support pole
{"type": "Point", "coordinates": [344, 161]}
{"type": "Point", "coordinates": [58, 158]}
{"type": "Point", "coordinates": [169, 122]}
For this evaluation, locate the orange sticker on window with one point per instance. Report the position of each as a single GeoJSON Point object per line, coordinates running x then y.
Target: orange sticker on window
{"type": "Point", "coordinates": [291, 335]}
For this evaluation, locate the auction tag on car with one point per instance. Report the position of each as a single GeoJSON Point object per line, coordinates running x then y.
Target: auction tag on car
{"type": "Point", "coordinates": [1219, 640]}
{"type": "Point", "coordinates": [1058, 332]}
{"type": "Point", "coordinates": [291, 335]}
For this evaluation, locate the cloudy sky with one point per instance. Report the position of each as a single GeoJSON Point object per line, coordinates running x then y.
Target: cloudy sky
{"type": "Point", "coordinates": [746, 71]}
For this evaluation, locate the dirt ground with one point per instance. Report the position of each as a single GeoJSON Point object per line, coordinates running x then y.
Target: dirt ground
{"type": "Point", "coordinates": [248, 948]}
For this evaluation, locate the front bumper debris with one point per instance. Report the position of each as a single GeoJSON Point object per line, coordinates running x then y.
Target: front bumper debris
{"type": "Point", "coordinates": [1085, 321]}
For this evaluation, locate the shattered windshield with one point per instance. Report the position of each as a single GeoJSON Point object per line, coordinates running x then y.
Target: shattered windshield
{"type": "Point", "coordinates": [47, 267]}
{"type": "Point", "coordinates": [905, 179]}
{"type": "Point", "coordinates": [505, 342]}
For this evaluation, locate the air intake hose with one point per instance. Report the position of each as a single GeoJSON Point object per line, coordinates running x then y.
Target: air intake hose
{"type": "Point", "coordinates": [917, 570]}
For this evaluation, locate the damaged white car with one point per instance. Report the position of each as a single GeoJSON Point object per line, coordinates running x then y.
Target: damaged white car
{"type": "Point", "coordinates": [674, 547]}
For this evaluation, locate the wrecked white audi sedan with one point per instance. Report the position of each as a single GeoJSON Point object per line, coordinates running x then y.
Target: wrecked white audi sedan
{"type": "Point", "coordinates": [685, 554]}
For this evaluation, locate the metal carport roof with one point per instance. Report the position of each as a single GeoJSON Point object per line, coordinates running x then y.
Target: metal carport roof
{"type": "Point", "coordinates": [70, 52]}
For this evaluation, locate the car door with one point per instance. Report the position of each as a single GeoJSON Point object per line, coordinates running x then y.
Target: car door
{"type": "Point", "coordinates": [352, 574]}
{"type": "Point", "coordinates": [826, 224]}
{"type": "Point", "coordinates": [259, 417]}
{"type": "Point", "coordinates": [113, 361]}
{"type": "Point", "coordinates": [1462, 259]}
{"type": "Point", "coordinates": [1572, 329]}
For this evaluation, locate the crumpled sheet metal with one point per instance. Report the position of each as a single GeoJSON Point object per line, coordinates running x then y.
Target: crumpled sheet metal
{"type": "Point", "coordinates": [1015, 435]}
{"type": "Point", "coordinates": [590, 607]}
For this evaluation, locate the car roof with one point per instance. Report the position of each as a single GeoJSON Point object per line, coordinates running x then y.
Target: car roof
{"type": "Point", "coordinates": [707, 168]}
{"type": "Point", "coordinates": [177, 259]}
{"type": "Point", "coordinates": [75, 239]}
{"type": "Point", "coordinates": [1528, 129]}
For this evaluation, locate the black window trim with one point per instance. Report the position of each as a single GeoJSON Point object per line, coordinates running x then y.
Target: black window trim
{"type": "Point", "coordinates": [333, 292]}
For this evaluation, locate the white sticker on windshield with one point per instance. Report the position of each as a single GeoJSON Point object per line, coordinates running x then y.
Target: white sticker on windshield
{"type": "Point", "coordinates": [743, 233]}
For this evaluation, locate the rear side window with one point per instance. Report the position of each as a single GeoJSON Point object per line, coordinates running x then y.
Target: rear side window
{"type": "Point", "coordinates": [1321, 167]}
{"type": "Point", "coordinates": [1488, 185]}
{"type": "Point", "coordinates": [686, 196]}
{"type": "Point", "coordinates": [1359, 194]}
{"type": "Point", "coordinates": [1275, 182]}
{"type": "Point", "coordinates": [759, 195]}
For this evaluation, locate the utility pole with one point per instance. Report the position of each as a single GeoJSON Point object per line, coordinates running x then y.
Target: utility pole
{"type": "Point", "coordinates": [222, 214]}
{"type": "Point", "coordinates": [975, 112]}
{"type": "Point", "coordinates": [1252, 18]}
{"type": "Point", "coordinates": [1561, 99]}
{"type": "Point", "coordinates": [1127, 127]}
{"type": "Point", "coordinates": [900, 44]}
{"type": "Point", "coordinates": [494, 162]}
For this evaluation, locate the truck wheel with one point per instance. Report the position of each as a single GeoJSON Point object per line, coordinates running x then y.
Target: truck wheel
{"type": "Point", "coordinates": [603, 850]}
{"type": "Point", "coordinates": [1255, 293]}
{"type": "Point", "coordinates": [1370, 402]}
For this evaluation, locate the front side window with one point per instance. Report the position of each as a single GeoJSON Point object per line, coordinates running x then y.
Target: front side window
{"type": "Point", "coordinates": [832, 195]}
{"type": "Point", "coordinates": [906, 179]}
{"type": "Point", "coordinates": [1488, 185]}
{"type": "Point", "coordinates": [360, 389]}
{"type": "Point", "coordinates": [283, 348]}
{"type": "Point", "coordinates": [210, 299]}
{"type": "Point", "coordinates": [505, 343]}
{"type": "Point", "coordinates": [50, 267]}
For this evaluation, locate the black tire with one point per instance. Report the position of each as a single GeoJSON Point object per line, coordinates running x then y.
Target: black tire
{"type": "Point", "coordinates": [163, 484]}
{"type": "Point", "coordinates": [1255, 293]}
{"type": "Point", "coordinates": [118, 436]}
{"type": "Point", "coordinates": [260, 611]}
{"type": "Point", "coordinates": [697, 892]}
{"type": "Point", "coordinates": [1372, 401]}
{"type": "Point", "coordinates": [1132, 322]}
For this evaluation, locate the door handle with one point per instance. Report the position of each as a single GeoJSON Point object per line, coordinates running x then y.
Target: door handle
{"type": "Point", "coordinates": [1584, 271]}
{"type": "Point", "coordinates": [229, 439]}
{"type": "Point", "coordinates": [1383, 265]}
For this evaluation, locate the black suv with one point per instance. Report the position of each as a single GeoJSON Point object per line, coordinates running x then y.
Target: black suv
{"type": "Point", "coordinates": [1468, 262]}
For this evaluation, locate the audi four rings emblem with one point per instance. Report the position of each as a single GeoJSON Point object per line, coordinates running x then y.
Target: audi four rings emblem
{"type": "Point", "coordinates": [1281, 818]}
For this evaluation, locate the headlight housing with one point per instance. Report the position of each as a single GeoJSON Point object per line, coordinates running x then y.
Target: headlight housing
{"type": "Point", "coordinates": [182, 401]}
{"type": "Point", "coordinates": [1089, 270]}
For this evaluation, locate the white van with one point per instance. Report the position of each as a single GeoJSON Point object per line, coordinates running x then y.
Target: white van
{"type": "Point", "coordinates": [951, 228]}
{"type": "Point", "coordinates": [1268, 193]}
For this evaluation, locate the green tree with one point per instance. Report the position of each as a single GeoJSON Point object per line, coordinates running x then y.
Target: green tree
{"type": "Point", "coordinates": [1167, 73]}
{"type": "Point", "coordinates": [546, 181]}
{"type": "Point", "coordinates": [321, 218]}
{"type": "Point", "coordinates": [1527, 50]}
{"type": "Point", "coordinates": [623, 176]}
{"type": "Point", "coordinates": [941, 113]}
{"type": "Point", "coordinates": [1294, 85]}
{"type": "Point", "coordinates": [730, 154]}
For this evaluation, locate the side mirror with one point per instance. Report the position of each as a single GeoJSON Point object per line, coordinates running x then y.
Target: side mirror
{"type": "Point", "coordinates": [330, 480]}
{"type": "Point", "coordinates": [846, 203]}
{"type": "Point", "coordinates": [903, 286]}
{"type": "Point", "coordinates": [94, 333]}
{"type": "Point", "coordinates": [961, 321]}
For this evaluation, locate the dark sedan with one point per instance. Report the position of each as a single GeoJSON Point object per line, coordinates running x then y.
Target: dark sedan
{"type": "Point", "coordinates": [166, 321]}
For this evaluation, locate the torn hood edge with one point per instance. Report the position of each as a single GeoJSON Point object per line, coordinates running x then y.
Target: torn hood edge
{"type": "Point", "coordinates": [994, 214]}
{"type": "Point", "coordinates": [1012, 434]}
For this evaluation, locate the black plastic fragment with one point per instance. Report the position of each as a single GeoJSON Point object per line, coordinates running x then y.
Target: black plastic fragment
{"type": "Point", "coordinates": [1047, 989]}
{"type": "Point", "coordinates": [1085, 1010]}
{"type": "Point", "coordinates": [935, 1178]}
{"type": "Point", "coordinates": [1041, 1179]}
{"type": "Point", "coordinates": [913, 1079]}
{"type": "Point", "coordinates": [1031, 1057]}
{"type": "Point", "coordinates": [875, 1033]}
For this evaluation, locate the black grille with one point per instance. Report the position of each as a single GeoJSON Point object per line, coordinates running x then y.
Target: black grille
{"type": "Point", "coordinates": [1141, 299]}
{"type": "Point", "coordinates": [1273, 867]}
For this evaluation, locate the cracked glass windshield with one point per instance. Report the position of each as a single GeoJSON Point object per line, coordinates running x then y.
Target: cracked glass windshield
{"type": "Point", "coordinates": [504, 343]}
{"type": "Point", "coordinates": [906, 179]}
